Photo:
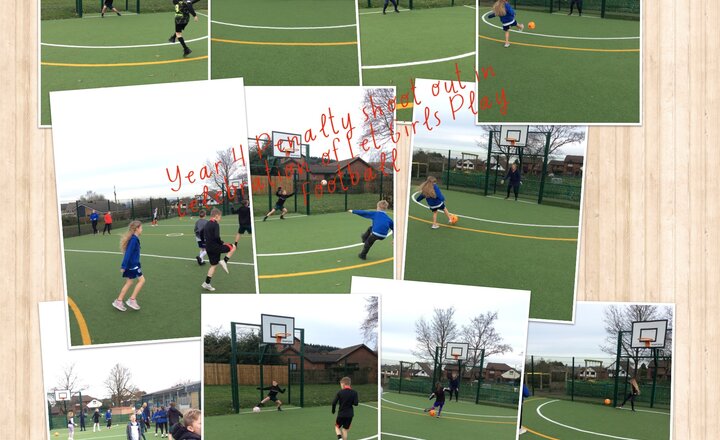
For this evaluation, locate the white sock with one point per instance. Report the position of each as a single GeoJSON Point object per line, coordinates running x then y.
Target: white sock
{"type": "Point", "coordinates": [202, 254]}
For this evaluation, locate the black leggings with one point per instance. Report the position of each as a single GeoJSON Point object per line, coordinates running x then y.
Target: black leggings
{"type": "Point", "coordinates": [94, 226]}
{"type": "Point", "coordinates": [579, 5]}
{"type": "Point", "coordinates": [369, 239]}
{"type": "Point", "coordinates": [515, 187]}
{"type": "Point", "coordinates": [386, 4]}
{"type": "Point", "coordinates": [631, 397]}
{"type": "Point", "coordinates": [163, 427]}
{"type": "Point", "coordinates": [454, 390]}
{"type": "Point", "coordinates": [107, 228]}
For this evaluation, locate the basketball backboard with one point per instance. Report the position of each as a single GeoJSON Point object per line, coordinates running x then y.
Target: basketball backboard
{"type": "Point", "coordinates": [649, 334]}
{"type": "Point", "coordinates": [513, 135]}
{"type": "Point", "coordinates": [287, 144]}
{"type": "Point", "coordinates": [456, 351]}
{"type": "Point", "coordinates": [277, 329]}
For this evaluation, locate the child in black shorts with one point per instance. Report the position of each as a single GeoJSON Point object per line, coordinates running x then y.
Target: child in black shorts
{"type": "Point", "coordinates": [183, 10]}
{"type": "Point", "coordinates": [273, 391]}
{"type": "Point", "coordinates": [347, 398]}
{"type": "Point", "coordinates": [215, 248]}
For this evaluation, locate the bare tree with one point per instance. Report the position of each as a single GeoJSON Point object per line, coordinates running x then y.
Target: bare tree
{"type": "Point", "coordinates": [370, 324]}
{"type": "Point", "coordinates": [620, 318]}
{"type": "Point", "coordinates": [437, 332]}
{"type": "Point", "coordinates": [68, 380]}
{"type": "Point", "coordinates": [380, 123]}
{"type": "Point", "coordinates": [225, 167]}
{"type": "Point", "coordinates": [92, 196]}
{"type": "Point", "coordinates": [481, 334]}
{"type": "Point", "coordinates": [118, 384]}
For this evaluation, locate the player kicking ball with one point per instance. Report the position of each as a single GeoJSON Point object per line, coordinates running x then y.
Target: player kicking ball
{"type": "Point", "coordinates": [503, 10]}
{"type": "Point", "coordinates": [215, 248]}
{"type": "Point", "coordinates": [183, 10]}
{"type": "Point", "coordinates": [380, 228]}
{"type": "Point", "coordinates": [273, 391]}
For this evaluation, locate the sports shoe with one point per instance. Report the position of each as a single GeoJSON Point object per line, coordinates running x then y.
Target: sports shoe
{"type": "Point", "coordinates": [522, 431]}
{"type": "Point", "coordinates": [279, 409]}
{"type": "Point", "coordinates": [207, 286]}
{"type": "Point", "coordinates": [282, 217]}
{"type": "Point", "coordinates": [187, 52]}
{"type": "Point", "coordinates": [172, 39]}
{"type": "Point", "coordinates": [119, 305]}
{"type": "Point", "coordinates": [362, 257]}
{"type": "Point", "coordinates": [265, 218]}
{"type": "Point", "coordinates": [435, 227]}
{"type": "Point", "coordinates": [199, 260]}
{"type": "Point", "coordinates": [223, 264]}
{"type": "Point", "coordinates": [507, 44]}
{"type": "Point", "coordinates": [132, 303]}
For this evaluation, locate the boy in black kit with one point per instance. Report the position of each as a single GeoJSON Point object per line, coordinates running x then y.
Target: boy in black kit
{"type": "Point", "coordinates": [183, 10]}
{"type": "Point", "coordinates": [245, 224]}
{"type": "Point", "coordinates": [272, 395]}
{"type": "Point", "coordinates": [215, 248]}
{"type": "Point", "coordinates": [282, 196]}
{"type": "Point", "coordinates": [347, 397]}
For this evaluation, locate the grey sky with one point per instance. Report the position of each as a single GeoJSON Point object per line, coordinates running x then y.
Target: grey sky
{"type": "Point", "coordinates": [460, 133]}
{"type": "Point", "coordinates": [327, 319]}
{"type": "Point", "coordinates": [407, 301]}
{"type": "Point", "coordinates": [103, 139]}
{"type": "Point", "coordinates": [154, 367]}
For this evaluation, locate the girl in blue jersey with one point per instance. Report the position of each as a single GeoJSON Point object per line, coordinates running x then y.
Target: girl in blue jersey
{"type": "Point", "coordinates": [503, 10]}
{"type": "Point", "coordinates": [430, 191]}
{"type": "Point", "coordinates": [130, 266]}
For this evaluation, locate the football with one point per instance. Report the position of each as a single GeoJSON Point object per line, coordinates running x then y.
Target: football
{"type": "Point", "coordinates": [323, 182]}
{"type": "Point", "coordinates": [531, 25]}
{"type": "Point", "coordinates": [607, 401]}
{"type": "Point", "coordinates": [256, 409]}
{"type": "Point", "coordinates": [453, 219]}
{"type": "Point", "coordinates": [432, 413]}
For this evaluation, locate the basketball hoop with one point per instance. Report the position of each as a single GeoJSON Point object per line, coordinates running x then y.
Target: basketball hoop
{"type": "Point", "coordinates": [646, 341]}
{"type": "Point", "coordinates": [512, 141]}
{"type": "Point", "coordinates": [280, 336]}
{"type": "Point", "coordinates": [456, 356]}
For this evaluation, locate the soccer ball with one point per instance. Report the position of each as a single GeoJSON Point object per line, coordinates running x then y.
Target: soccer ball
{"type": "Point", "coordinates": [323, 182]}
{"type": "Point", "coordinates": [57, 434]}
{"type": "Point", "coordinates": [431, 413]}
{"type": "Point", "coordinates": [453, 219]}
{"type": "Point", "coordinates": [607, 401]}
{"type": "Point", "coordinates": [256, 409]}
{"type": "Point", "coordinates": [531, 25]}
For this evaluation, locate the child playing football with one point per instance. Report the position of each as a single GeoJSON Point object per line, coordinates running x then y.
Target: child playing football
{"type": "Point", "coordinates": [273, 391]}
{"type": "Point", "coordinates": [282, 195]}
{"type": "Point", "coordinates": [514, 180]}
{"type": "Point", "coordinates": [200, 237]}
{"type": "Point", "coordinates": [130, 266]}
{"type": "Point", "coordinates": [634, 392]}
{"type": "Point", "coordinates": [394, 2]}
{"type": "Point", "coordinates": [244, 221]}
{"type": "Point", "coordinates": [215, 248]}
{"type": "Point", "coordinates": [183, 10]}
{"type": "Point", "coordinates": [439, 396]}
{"type": "Point", "coordinates": [347, 398]}
{"type": "Point", "coordinates": [108, 4]}
{"type": "Point", "coordinates": [503, 10]}
{"type": "Point", "coordinates": [430, 191]}
{"type": "Point", "coordinates": [381, 226]}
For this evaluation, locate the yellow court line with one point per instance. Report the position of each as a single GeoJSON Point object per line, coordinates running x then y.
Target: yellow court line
{"type": "Point", "coordinates": [450, 417]}
{"type": "Point", "coordinates": [540, 435]}
{"type": "Point", "coordinates": [317, 272]}
{"type": "Point", "coordinates": [84, 332]}
{"type": "Point", "coordinates": [580, 49]}
{"type": "Point", "coordinates": [504, 234]}
{"type": "Point", "coordinates": [281, 43]}
{"type": "Point", "coordinates": [141, 63]}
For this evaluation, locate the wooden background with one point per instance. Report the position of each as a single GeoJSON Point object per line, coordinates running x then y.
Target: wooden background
{"type": "Point", "coordinates": [651, 223]}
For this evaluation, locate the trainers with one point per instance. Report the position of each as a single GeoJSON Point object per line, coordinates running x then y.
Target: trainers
{"type": "Point", "coordinates": [279, 409]}
{"type": "Point", "coordinates": [223, 264]}
{"type": "Point", "coordinates": [199, 260]}
{"type": "Point", "coordinates": [119, 305]}
{"type": "Point", "coordinates": [507, 45]}
{"type": "Point", "coordinates": [207, 286]}
{"type": "Point", "coordinates": [172, 39]}
{"type": "Point", "coordinates": [282, 217]}
{"type": "Point", "coordinates": [362, 257]}
{"type": "Point", "coordinates": [435, 227]}
{"type": "Point", "coordinates": [522, 431]}
{"type": "Point", "coordinates": [265, 218]}
{"type": "Point", "coordinates": [132, 303]}
{"type": "Point", "coordinates": [187, 52]}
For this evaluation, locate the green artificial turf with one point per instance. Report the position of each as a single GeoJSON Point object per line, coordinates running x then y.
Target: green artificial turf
{"type": "Point", "coordinates": [309, 423]}
{"type": "Point", "coordinates": [481, 253]}
{"type": "Point", "coordinates": [128, 30]}
{"type": "Point", "coordinates": [403, 417]}
{"type": "Point", "coordinates": [326, 56]}
{"type": "Point", "coordinates": [559, 77]}
{"type": "Point", "coordinates": [544, 418]}
{"type": "Point", "coordinates": [170, 299]}
{"type": "Point", "coordinates": [413, 36]}
{"type": "Point", "coordinates": [312, 233]}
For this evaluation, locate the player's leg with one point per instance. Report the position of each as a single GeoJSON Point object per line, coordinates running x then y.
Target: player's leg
{"type": "Point", "coordinates": [338, 430]}
{"type": "Point", "coordinates": [516, 190]}
{"type": "Point", "coordinates": [284, 211]}
{"type": "Point", "coordinates": [385, 5]}
{"type": "Point", "coordinates": [368, 244]}
{"type": "Point", "coordinates": [118, 303]}
{"type": "Point", "coordinates": [179, 28]}
{"type": "Point", "coordinates": [229, 250]}
{"type": "Point", "coordinates": [214, 260]}
{"type": "Point", "coordinates": [434, 219]}
{"type": "Point", "coordinates": [447, 213]}
{"type": "Point", "coordinates": [394, 2]}
{"type": "Point", "coordinates": [132, 302]}
{"type": "Point", "coordinates": [509, 187]}
{"type": "Point", "coordinates": [579, 5]}
{"type": "Point", "coordinates": [116, 11]}
{"type": "Point", "coordinates": [572, 4]}
{"type": "Point", "coordinates": [272, 211]}
{"type": "Point", "coordinates": [365, 235]}
{"type": "Point", "coordinates": [278, 403]}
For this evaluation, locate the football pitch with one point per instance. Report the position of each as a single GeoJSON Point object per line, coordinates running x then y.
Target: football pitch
{"type": "Point", "coordinates": [93, 52]}
{"type": "Point", "coordinates": [569, 69]}
{"type": "Point", "coordinates": [317, 253]}
{"type": "Point", "coordinates": [397, 48]}
{"type": "Point", "coordinates": [563, 419]}
{"type": "Point", "coordinates": [293, 43]}
{"type": "Point", "coordinates": [117, 431]}
{"type": "Point", "coordinates": [170, 299]}
{"type": "Point", "coordinates": [309, 423]}
{"type": "Point", "coordinates": [403, 418]}
{"type": "Point", "coordinates": [498, 243]}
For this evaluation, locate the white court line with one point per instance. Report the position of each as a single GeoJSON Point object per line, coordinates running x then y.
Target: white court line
{"type": "Point", "coordinates": [471, 7]}
{"type": "Point", "coordinates": [646, 411]}
{"type": "Point", "coordinates": [529, 225]}
{"type": "Point", "coordinates": [578, 429]}
{"type": "Point", "coordinates": [401, 436]}
{"type": "Point", "coordinates": [274, 217]}
{"type": "Point", "coordinates": [134, 46]}
{"type": "Point", "coordinates": [453, 413]}
{"type": "Point", "coordinates": [418, 63]}
{"type": "Point", "coordinates": [369, 438]}
{"type": "Point", "coordinates": [380, 12]}
{"type": "Point", "coordinates": [148, 255]}
{"type": "Point", "coordinates": [583, 16]}
{"type": "Point", "coordinates": [97, 15]}
{"type": "Point", "coordinates": [314, 251]}
{"type": "Point", "coordinates": [484, 18]}
{"type": "Point", "coordinates": [520, 201]}
{"type": "Point", "coordinates": [269, 411]}
{"type": "Point", "coordinates": [284, 28]}
{"type": "Point", "coordinates": [369, 406]}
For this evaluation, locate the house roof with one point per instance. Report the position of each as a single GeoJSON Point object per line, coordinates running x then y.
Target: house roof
{"type": "Point", "coordinates": [498, 366]}
{"type": "Point", "coordinates": [574, 158]}
{"type": "Point", "coordinates": [329, 167]}
{"type": "Point", "coordinates": [331, 356]}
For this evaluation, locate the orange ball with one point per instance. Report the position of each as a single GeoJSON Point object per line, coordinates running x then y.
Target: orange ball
{"type": "Point", "coordinates": [607, 401]}
{"type": "Point", "coordinates": [431, 413]}
{"type": "Point", "coordinates": [531, 25]}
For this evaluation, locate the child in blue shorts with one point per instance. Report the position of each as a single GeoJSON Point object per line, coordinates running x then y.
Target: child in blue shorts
{"type": "Point", "coordinates": [502, 9]}
{"type": "Point", "coordinates": [130, 266]}
{"type": "Point", "coordinates": [430, 191]}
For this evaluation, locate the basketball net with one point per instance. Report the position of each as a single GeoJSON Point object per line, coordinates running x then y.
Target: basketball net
{"type": "Point", "coordinates": [646, 341]}
{"type": "Point", "coordinates": [279, 337]}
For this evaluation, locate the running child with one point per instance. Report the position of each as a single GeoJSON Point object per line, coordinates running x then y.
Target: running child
{"type": "Point", "coordinates": [347, 398]}
{"type": "Point", "coordinates": [282, 195]}
{"type": "Point", "coordinates": [183, 10]}
{"type": "Point", "coordinates": [430, 191]}
{"type": "Point", "coordinates": [71, 425]}
{"type": "Point", "coordinates": [273, 391]}
{"type": "Point", "coordinates": [200, 237]}
{"type": "Point", "coordinates": [130, 266]}
{"type": "Point", "coordinates": [503, 10]}
{"type": "Point", "coordinates": [439, 396]}
{"type": "Point", "coordinates": [634, 392]}
{"type": "Point", "coordinates": [244, 221]}
{"type": "Point", "coordinates": [215, 248]}
{"type": "Point", "coordinates": [108, 4]}
{"type": "Point", "coordinates": [381, 226]}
